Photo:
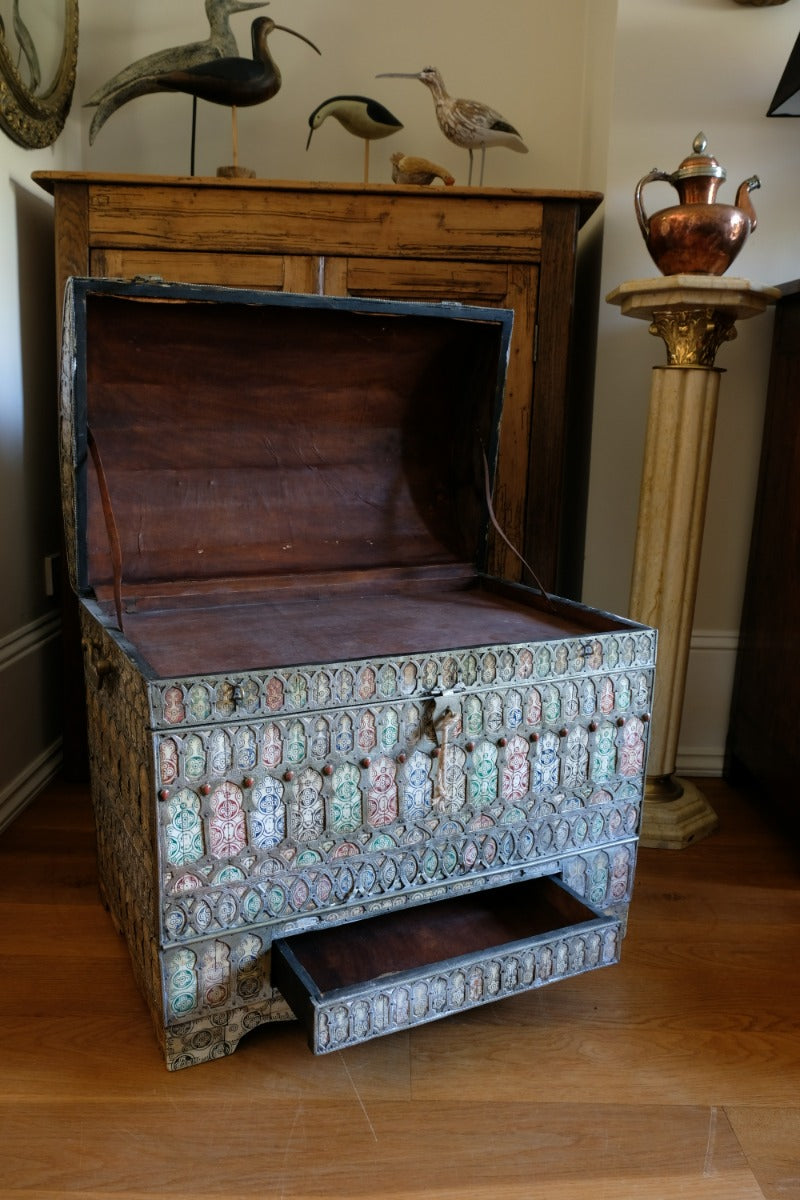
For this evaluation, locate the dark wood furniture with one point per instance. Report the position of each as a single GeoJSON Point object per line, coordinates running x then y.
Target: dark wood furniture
{"type": "Point", "coordinates": [763, 750]}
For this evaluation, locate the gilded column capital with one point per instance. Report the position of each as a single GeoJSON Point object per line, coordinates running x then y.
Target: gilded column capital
{"type": "Point", "coordinates": [693, 335]}
{"type": "Point", "coordinates": [693, 314]}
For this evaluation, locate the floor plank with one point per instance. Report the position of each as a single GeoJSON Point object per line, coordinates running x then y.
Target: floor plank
{"type": "Point", "coordinates": [673, 1075]}
{"type": "Point", "coordinates": [770, 1137]}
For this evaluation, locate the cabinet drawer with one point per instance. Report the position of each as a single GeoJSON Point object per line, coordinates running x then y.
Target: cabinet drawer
{"type": "Point", "coordinates": [408, 967]}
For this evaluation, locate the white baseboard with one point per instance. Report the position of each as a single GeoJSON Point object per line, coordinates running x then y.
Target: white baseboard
{"type": "Point", "coordinates": [23, 688]}
{"type": "Point", "coordinates": [29, 638]}
{"type": "Point", "coordinates": [707, 702]}
{"type": "Point", "coordinates": [19, 793]}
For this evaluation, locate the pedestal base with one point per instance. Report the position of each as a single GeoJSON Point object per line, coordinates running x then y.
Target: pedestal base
{"type": "Point", "coordinates": [235, 173]}
{"type": "Point", "coordinates": [675, 814]}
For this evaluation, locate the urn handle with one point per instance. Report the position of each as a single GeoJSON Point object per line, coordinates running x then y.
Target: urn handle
{"type": "Point", "coordinates": [641, 215]}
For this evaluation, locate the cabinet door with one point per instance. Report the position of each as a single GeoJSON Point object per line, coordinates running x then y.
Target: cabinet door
{"type": "Point", "coordinates": [273, 272]}
{"type": "Point", "coordinates": [500, 285]}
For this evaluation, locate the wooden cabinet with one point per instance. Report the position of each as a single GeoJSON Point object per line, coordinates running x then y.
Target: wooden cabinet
{"type": "Point", "coordinates": [763, 750]}
{"type": "Point", "coordinates": [508, 248]}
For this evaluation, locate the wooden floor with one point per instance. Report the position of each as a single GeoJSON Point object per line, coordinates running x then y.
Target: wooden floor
{"type": "Point", "coordinates": [674, 1074]}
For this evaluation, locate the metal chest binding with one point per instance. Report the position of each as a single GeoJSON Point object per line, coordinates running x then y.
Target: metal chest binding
{"type": "Point", "coordinates": [337, 771]}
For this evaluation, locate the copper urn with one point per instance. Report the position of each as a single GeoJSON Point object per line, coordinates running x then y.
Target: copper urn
{"type": "Point", "coordinates": [698, 236]}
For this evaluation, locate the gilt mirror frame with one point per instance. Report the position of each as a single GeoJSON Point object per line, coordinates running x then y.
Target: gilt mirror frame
{"type": "Point", "coordinates": [31, 118]}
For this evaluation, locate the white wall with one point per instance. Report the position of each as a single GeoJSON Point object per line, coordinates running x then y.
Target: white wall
{"type": "Point", "coordinates": [512, 54]}
{"type": "Point", "coordinates": [682, 66]}
{"type": "Point", "coordinates": [30, 659]}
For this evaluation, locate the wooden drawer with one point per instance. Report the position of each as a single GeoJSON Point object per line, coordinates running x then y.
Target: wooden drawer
{"type": "Point", "coordinates": [357, 982]}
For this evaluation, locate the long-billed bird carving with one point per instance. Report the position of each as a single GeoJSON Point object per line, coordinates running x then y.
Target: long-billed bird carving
{"type": "Point", "coordinates": [235, 82]}
{"type": "Point", "coordinates": [466, 123]}
{"type": "Point", "coordinates": [142, 76]}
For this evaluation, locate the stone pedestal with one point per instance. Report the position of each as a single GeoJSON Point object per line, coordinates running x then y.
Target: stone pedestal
{"type": "Point", "coordinates": [695, 315]}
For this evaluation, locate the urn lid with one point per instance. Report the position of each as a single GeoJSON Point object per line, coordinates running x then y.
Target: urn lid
{"type": "Point", "coordinates": [699, 164]}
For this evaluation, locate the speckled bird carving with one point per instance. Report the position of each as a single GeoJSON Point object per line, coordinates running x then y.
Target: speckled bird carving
{"type": "Point", "coordinates": [466, 123]}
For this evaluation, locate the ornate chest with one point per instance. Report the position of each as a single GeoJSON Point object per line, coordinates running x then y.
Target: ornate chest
{"type": "Point", "coordinates": [338, 771]}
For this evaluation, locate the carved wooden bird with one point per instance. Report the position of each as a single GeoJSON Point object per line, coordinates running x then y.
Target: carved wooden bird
{"type": "Point", "coordinates": [235, 82]}
{"type": "Point", "coordinates": [359, 115]}
{"type": "Point", "coordinates": [407, 168]}
{"type": "Point", "coordinates": [141, 77]}
{"type": "Point", "coordinates": [466, 123]}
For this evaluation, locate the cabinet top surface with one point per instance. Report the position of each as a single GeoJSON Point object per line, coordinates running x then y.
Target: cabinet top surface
{"type": "Point", "coordinates": [587, 201]}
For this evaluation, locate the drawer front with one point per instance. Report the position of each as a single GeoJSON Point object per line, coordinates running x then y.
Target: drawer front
{"type": "Point", "coordinates": [322, 975]}
{"type": "Point", "coordinates": [302, 819]}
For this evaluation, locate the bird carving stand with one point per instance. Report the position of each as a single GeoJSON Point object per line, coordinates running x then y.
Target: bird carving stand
{"type": "Point", "coordinates": [695, 315]}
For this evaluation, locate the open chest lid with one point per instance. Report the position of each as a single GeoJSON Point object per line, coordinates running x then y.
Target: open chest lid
{"type": "Point", "coordinates": [212, 435]}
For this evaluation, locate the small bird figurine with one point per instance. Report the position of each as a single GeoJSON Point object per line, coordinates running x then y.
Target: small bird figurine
{"type": "Point", "coordinates": [141, 77]}
{"type": "Point", "coordinates": [466, 123]}
{"type": "Point", "coordinates": [360, 116]}
{"type": "Point", "coordinates": [407, 168]}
